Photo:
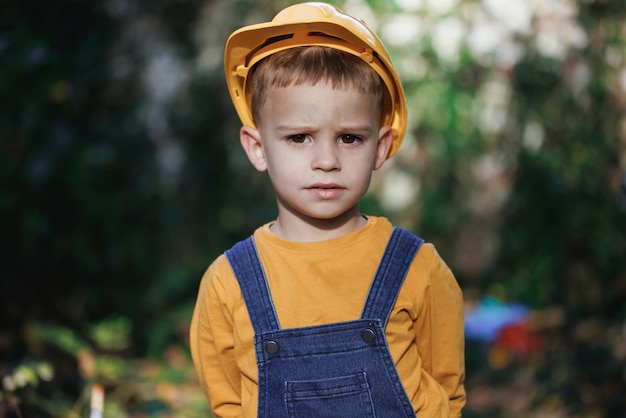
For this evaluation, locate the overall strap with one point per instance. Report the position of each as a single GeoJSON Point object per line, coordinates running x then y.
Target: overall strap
{"type": "Point", "coordinates": [244, 261]}
{"type": "Point", "coordinates": [394, 265]}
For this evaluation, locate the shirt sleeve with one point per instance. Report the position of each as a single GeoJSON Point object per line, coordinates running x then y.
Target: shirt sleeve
{"type": "Point", "coordinates": [212, 346]}
{"type": "Point", "coordinates": [442, 342]}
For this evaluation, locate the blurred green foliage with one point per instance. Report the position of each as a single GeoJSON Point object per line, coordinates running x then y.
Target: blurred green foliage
{"type": "Point", "coordinates": [121, 179]}
{"type": "Point", "coordinates": [101, 251]}
{"type": "Point", "coordinates": [547, 227]}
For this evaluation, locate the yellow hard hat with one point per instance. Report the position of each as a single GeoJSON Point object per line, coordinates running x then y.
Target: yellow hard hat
{"type": "Point", "coordinates": [308, 24]}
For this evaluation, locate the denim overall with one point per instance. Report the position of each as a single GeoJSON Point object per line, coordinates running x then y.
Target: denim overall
{"type": "Point", "coordinates": [342, 370]}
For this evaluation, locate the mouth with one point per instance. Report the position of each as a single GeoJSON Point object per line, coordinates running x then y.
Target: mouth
{"type": "Point", "coordinates": [325, 191]}
{"type": "Point", "coordinates": [325, 186]}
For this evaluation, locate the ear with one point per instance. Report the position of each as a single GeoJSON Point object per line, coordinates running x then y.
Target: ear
{"type": "Point", "coordinates": [384, 145]}
{"type": "Point", "coordinates": [251, 143]}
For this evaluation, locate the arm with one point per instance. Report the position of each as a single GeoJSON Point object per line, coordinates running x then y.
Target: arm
{"type": "Point", "coordinates": [442, 343]}
{"type": "Point", "coordinates": [212, 347]}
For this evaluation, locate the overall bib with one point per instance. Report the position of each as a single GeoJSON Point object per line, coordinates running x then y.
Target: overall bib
{"type": "Point", "coordinates": [341, 370]}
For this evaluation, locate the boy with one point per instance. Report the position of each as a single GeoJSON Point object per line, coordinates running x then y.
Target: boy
{"type": "Point", "coordinates": [324, 312]}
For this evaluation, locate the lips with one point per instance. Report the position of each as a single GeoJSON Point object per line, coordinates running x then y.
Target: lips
{"type": "Point", "coordinates": [325, 191]}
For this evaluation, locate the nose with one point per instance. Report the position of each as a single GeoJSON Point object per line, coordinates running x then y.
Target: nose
{"type": "Point", "coordinates": [326, 156]}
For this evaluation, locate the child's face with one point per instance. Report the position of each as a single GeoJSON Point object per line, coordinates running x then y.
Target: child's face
{"type": "Point", "coordinates": [319, 147]}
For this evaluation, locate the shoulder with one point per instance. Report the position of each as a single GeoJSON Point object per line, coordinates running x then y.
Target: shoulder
{"type": "Point", "coordinates": [428, 266]}
{"type": "Point", "coordinates": [435, 272]}
{"type": "Point", "coordinates": [428, 256]}
{"type": "Point", "coordinates": [220, 272]}
{"type": "Point", "coordinates": [218, 281]}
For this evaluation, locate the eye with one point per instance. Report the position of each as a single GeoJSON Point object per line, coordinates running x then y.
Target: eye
{"type": "Point", "coordinates": [298, 138]}
{"type": "Point", "coordinates": [349, 138]}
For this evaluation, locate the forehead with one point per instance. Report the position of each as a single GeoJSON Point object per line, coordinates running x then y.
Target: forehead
{"type": "Point", "coordinates": [318, 104]}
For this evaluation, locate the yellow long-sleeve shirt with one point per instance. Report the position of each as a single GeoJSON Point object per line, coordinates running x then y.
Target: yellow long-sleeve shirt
{"type": "Point", "coordinates": [315, 283]}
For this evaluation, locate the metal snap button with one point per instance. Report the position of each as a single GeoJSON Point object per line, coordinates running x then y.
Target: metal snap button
{"type": "Point", "coordinates": [271, 347]}
{"type": "Point", "coordinates": [368, 335]}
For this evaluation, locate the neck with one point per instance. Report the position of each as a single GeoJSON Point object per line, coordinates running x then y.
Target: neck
{"type": "Point", "coordinates": [316, 230]}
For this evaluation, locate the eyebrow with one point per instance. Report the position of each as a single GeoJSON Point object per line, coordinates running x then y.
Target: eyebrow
{"type": "Point", "coordinates": [363, 129]}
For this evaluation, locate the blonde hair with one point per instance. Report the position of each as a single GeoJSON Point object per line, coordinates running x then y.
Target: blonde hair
{"type": "Point", "coordinates": [311, 65]}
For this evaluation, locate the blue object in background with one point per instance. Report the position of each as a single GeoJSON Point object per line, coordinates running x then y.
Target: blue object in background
{"type": "Point", "coordinates": [484, 321]}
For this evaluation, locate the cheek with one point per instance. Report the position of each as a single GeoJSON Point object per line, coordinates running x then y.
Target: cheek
{"type": "Point", "coordinates": [279, 168]}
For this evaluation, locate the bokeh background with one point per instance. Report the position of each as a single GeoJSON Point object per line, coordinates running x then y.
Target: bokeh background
{"type": "Point", "coordinates": [121, 179]}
